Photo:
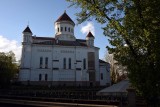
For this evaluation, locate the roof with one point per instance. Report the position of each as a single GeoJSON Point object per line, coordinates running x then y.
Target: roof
{"type": "Point", "coordinates": [64, 17]}
{"type": "Point", "coordinates": [90, 35]}
{"type": "Point", "coordinates": [27, 30]}
{"type": "Point", "coordinates": [43, 38]}
{"type": "Point", "coordinates": [52, 41]}
{"type": "Point", "coordinates": [101, 61]}
{"type": "Point", "coordinates": [120, 87]}
{"type": "Point", "coordinates": [81, 40]}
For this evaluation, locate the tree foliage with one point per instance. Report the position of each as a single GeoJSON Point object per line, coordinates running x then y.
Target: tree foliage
{"type": "Point", "coordinates": [133, 27]}
{"type": "Point", "coordinates": [8, 68]}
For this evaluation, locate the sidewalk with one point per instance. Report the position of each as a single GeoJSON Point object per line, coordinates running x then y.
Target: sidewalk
{"type": "Point", "coordinates": [46, 104]}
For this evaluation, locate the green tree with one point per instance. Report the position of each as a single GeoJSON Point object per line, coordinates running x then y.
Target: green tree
{"type": "Point", "coordinates": [8, 68]}
{"type": "Point", "coordinates": [133, 27]}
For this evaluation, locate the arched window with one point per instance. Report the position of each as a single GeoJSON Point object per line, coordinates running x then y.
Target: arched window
{"type": "Point", "coordinates": [65, 28]}
{"type": "Point", "coordinates": [58, 29]}
{"type": "Point", "coordinates": [46, 62]}
{"type": "Point", "coordinates": [69, 29]}
{"type": "Point", "coordinates": [40, 77]}
{"type": "Point", "coordinates": [41, 62]}
{"type": "Point", "coordinates": [46, 77]}
{"type": "Point", "coordinates": [69, 63]}
{"type": "Point", "coordinates": [64, 63]}
{"type": "Point", "coordinates": [84, 63]}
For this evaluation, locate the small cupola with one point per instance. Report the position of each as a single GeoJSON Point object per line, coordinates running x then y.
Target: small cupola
{"type": "Point", "coordinates": [27, 35]}
{"type": "Point", "coordinates": [90, 39]}
{"type": "Point", "coordinates": [64, 28]}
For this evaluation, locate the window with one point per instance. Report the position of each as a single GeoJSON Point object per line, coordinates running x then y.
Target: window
{"type": "Point", "coordinates": [40, 77]}
{"type": "Point", "coordinates": [58, 29]}
{"type": "Point", "coordinates": [46, 77]}
{"type": "Point", "coordinates": [84, 63]}
{"type": "Point", "coordinates": [101, 76]}
{"type": "Point", "coordinates": [64, 63]}
{"type": "Point", "coordinates": [61, 29]}
{"type": "Point", "coordinates": [41, 62]}
{"type": "Point", "coordinates": [69, 63]}
{"type": "Point", "coordinates": [46, 62]}
{"type": "Point", "coordinates": [69, 29]}
{"type": "Point", "coordinates": [65, 28]}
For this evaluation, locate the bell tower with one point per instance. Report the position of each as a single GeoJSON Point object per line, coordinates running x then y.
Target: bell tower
{"type": "Point", "coordinates": [90, 39]}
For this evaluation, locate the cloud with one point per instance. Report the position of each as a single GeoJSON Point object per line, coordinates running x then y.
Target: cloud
{"type": "Point", "coordinates": [7, 45]}
{"type": "Point", "coordinates": [88, 27]}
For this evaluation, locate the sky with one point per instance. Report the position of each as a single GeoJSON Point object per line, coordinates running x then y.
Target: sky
{"type": "Point", "coordinates": [40, 15]}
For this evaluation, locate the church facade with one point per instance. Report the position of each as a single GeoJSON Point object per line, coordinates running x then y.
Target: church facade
{"type": "Point", "coordinates": [63, 59]}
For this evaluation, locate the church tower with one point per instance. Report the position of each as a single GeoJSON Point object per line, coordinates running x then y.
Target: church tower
{"type": "Point", "coordinates": [26, 48]}
{"type": "Point", "coordinates": [90, 39]}
{"type": "Point", "coordinates": [64, 28]}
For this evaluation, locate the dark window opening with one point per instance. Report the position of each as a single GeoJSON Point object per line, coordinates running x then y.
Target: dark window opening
{"type": "Point", "coordinates": [101, 76]}
{"type": "Point", "coordinates": [46, 62]}
{"type": "Point", "coordinates": [69, 29]}
{"type": "Point", "coordinates": [84, 63]}
{"type": "Point", "coordinates": [41, 62]}
{"type": "Point", "coordinates": [58, 29]}
{"type": "Point", "coordinates": [55, 68]}
{"type": "Point", "coordinates": [78, 68]}
{"type": "Point", "coordinates": [69, 63]}
{"type": "Point", "coordinates": [40, 77]}
{"type": "Point", "coordinates": [64, 63]}
{"type": "Point", "coordinates": [46, 77]}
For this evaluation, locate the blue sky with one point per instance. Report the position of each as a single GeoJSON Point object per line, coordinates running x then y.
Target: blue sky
{"type": "Point", "coordinates": [41, 15]}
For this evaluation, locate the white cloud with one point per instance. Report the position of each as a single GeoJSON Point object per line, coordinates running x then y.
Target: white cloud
{"type": "Point", "coordinates": [7, 45]}
{"type": "Point", "coordinates": [88, 27]}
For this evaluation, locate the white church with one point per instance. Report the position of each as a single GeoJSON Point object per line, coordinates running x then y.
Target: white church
{"type": "Point", "coordinates": [62, 59]}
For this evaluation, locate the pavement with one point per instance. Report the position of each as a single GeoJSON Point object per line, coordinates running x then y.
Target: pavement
{"type": "Point", "coordinates": [27, 103]}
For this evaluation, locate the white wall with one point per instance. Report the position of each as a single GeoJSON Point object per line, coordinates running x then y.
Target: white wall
{"type": "Point", "coordinates": [24, 75]}
{"type": "Point", "coordinates": [77, 54]}
{"type": "Point", "coordinates": [105, 70]}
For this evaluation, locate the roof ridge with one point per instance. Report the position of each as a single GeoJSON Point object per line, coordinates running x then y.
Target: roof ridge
{"type": "Point", "coordinates": [90, 34]}
{"type": "Point", "coordinates": [27, 29]}
{"type": "Point", "coordinates": [64, 17]}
